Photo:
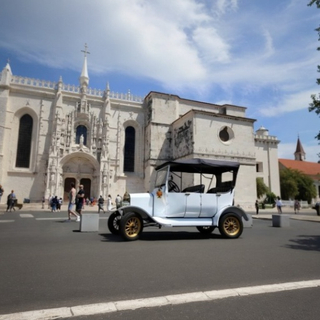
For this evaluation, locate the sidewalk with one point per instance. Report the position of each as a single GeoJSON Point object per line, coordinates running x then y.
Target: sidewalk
{"type": "Point", "coordinates": [38, 207]}
{"type": "Point", "coordinates": [305, 214]}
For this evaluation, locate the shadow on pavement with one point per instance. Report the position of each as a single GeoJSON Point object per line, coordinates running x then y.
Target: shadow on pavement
{"type": "Point", "coordinates": [164, 236]}
{"type": "Point", "coordinates": [308, 243]}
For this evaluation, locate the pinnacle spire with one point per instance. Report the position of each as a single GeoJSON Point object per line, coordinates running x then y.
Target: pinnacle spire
{"type": "Point", "coordinates": [84, 77]}
{"type": "Point", "coordinates": [299, 154]}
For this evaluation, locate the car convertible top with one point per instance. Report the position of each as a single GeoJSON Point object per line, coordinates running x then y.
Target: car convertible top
{"type": "Point", "coordinates": [201, 166]}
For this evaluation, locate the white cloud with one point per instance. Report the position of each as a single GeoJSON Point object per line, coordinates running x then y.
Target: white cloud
{"type": "Point", "coordinates": [289, 103]}
{"type": "Point", "coordinates": [224, 5]}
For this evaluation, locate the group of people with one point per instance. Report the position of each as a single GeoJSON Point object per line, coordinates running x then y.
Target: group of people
{"type": "Point", "coordinates": [11, 199]}
{"type": "Point", "coordinates": [53, 203]}
{"type": "Point", "coordinates": [76, 199]}
{"type": "Point", "coordinates": [118, 201]}
{"type": "Point", "coordinates": [278, 204]}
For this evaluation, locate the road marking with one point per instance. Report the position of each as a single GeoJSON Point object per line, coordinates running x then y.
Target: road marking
{"type": "Point", "coordinates": [26, 215]}
{"type": "Point", "coordinates": [5, 221]}
{"type": "Point", "coordinates": [56, 218]}
{"type": "Point", "coordinates": [108, 307]}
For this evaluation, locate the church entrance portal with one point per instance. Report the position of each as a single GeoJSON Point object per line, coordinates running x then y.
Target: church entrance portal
{"type": "Point", "coordinates": [86, 186]}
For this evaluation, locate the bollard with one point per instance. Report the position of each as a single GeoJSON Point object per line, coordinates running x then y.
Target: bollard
{"type": "Point", "coordinates": [281, 220]}
{"type": "Point", "coordinates": [89, 222]}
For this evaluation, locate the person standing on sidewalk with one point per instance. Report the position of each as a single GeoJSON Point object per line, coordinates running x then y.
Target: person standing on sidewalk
{"type": "Point", "coordinates": [279, 205]}
{"type": "Point", "coordinates": [72, 200]}
{"type": "Point", "coordinates": [118, 201]}
{"type": "Point", "coordinates": [296, 206]}
{"type": "Point", "coordinates": [257, 206]}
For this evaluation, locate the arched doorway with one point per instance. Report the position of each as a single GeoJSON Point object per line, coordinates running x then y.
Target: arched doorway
{"type": "Point", "coordinates": [82, 169]}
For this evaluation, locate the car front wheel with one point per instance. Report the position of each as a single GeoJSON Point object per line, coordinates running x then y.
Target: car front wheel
{"type": "Point", "coordinates": [114, 222]}
{"type": "Point", "coordinates": [231, 226]}
{"type": "Point", "coordinates": [131, 226]}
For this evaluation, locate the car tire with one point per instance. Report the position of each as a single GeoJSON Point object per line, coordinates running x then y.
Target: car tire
{"type": "Point", "coordinates": [131, 226]}
{"type": "Point", "coordinates": [231, 226]}
{"type": "Point", "coordinates": [206, 230]}
{"type": "Point", "coordinates": [114, 223]}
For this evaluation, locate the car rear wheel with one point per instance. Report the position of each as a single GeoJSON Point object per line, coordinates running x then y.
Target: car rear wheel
{"type": "Point", "coordinates": [231, 226]}
{"type": "Point", "coordinates": [114, 223]}
{"type": "Point", "coordinates": [131, 226]}
{"type": "Point", "coordinates": [206, 230]}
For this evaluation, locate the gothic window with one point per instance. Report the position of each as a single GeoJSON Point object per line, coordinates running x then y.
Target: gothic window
{"type": "Point", "coordinates": [129, 146]}
{"type": "Point", "coordinates": [81, 130]}
{"type": "Point", "coordinates": [24, 142]}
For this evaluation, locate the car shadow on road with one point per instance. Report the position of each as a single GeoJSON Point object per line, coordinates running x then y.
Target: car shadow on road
{"type": "Point", "coordinates": [305, 242]}
{"type": "Point", "coordinates": [164, 236]}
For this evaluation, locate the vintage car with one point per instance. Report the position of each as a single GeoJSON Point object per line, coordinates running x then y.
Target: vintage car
{"type": "Point", "coordinates": [187, 193]}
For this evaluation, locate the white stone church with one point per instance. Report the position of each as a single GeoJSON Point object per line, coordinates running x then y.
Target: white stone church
{"type": "Point", "coordinates": [52, 134]}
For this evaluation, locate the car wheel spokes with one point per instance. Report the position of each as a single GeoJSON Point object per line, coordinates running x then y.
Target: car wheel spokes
{"type": "Point", "coordinates": [231, 226]}
{"type": "Point", "coordinates": [133, 226]}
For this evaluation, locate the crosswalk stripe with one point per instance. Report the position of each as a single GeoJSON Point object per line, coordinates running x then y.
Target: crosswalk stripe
{"type": "Point", "coordinates": [109, 307]}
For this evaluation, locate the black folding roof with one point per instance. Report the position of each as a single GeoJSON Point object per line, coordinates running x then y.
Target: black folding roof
{"type": "Point", "coordinates": [201, 166]}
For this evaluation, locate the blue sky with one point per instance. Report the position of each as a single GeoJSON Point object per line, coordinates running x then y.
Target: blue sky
{"type": "Point", "coordinates": [257, 54]}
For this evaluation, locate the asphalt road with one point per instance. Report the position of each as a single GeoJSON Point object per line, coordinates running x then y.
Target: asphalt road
{"type": "Point", "coordinates": [47, 263]}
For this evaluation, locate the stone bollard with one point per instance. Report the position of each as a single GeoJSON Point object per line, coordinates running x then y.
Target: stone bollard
{"type": "Point", "coordinates": [281, 220]}
{"type": "Point", "coordinates": [89, 222]}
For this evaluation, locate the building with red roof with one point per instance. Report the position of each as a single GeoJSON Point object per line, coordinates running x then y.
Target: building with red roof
{"type": "Point", "coordinates": [311, 169]}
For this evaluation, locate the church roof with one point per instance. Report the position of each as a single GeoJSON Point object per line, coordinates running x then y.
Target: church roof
{"type": "Point", "coordinates": [311, 169]}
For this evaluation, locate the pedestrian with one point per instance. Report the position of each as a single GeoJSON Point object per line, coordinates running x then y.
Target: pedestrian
{"type": "Point", "coordinates": [72, 201]}
{"type": "Point", "coordinates": [257, 206]}
{"type": "Point", "coordinates": [1, 192]}
{"type": "Point", "coordinates": [80, 198]}
{"type": "Point", "coordinates": [109, 203]}
{"type": "Point", "coordinates": [59, 204]}
{"type": "Point", "coordinates": [54, 202]}
{"type": "Point", "coordinates": [10, 201]}
{"type": "Point", "coordinates": [118, 201]}
{"type": "Point", "coordinates": [43, 201]}
{"type": "Point", "coordinates": [279, 205]}
{"type": "Point", "coordinates": [296, 206]}
{"type": "Point", "coordinates": [100, 204]}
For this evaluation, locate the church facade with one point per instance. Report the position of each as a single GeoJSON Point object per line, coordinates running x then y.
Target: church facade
{"type": "Point", "coordinates": [52, 134]}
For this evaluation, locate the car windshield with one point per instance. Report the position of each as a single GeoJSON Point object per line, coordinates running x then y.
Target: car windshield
{"type": "Point", "coordinates": [161, 177]}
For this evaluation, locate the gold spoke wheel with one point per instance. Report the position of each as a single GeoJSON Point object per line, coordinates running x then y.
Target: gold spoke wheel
{"type": "Point", "coordinates": [231, 225]}
{"type": "Point", "coordinates": [131, 226]}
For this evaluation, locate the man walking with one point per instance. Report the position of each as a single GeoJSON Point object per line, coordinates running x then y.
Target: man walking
{"type": "Point", "coordinates": [100, 204]}
{"type": "Point", "coordinates": [72, 200]}
{"type": "Point", "coordinates": [10, 201]}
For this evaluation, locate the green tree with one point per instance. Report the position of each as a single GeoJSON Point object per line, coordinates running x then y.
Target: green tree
{"type": "Point", "coordinates": [262, 189]}
{"type": "Point", "coordinates": [315, 104]}
{"type": "Point", "coordinates": [295, 184]}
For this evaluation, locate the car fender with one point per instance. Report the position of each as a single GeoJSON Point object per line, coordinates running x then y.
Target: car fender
{"type": "Point", "coordinates": [144, 214]}
{"type": "Point", "coordinates": [232, 209]}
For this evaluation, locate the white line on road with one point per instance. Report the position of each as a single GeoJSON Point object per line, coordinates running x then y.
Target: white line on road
{"type": "Point", "coordinates": [26, 215]}
{"type": "Point", "coordinates": [108, 307]}
{"type": "Point", "coordinates": [4, 221]}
